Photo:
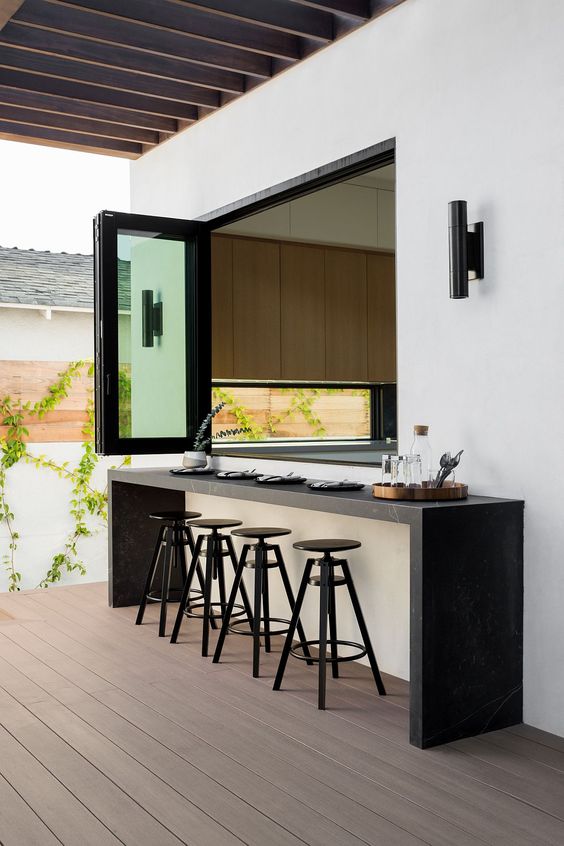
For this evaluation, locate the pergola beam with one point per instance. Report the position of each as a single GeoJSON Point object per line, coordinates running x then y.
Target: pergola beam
{"type": "Point", "coordinates": [359, 9]}
{"type": "Point", "coordinates": [79, 108]}
{"type": "Point", "coordinates": [96, 94]}
{"type": "Point", "coordinates": [73, 21]}
{"type": "Point", "coordinates": [276, 14]}
{"type": "Point", "coordinates": [8, 9]}
{"type": "Point", "coordinates": [106, 55]}
{"type": "Point", "coordinates": [117, 80]}
{"type": "Point", "coordinates": [197, 23]}
{"type": "Point", "coordinates": [32, 117]}
{"type": "Point", "coordinates": [71, 140]}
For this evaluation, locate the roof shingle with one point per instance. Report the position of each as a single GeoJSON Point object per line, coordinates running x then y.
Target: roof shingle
{"type": "Point", "coordinates": [39, 277]}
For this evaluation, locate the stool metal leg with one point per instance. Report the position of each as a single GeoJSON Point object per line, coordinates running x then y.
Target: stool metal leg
{"type": "Point", "coordinates": [210, 565]}
{"type": "Point", "coordinates": [198, 568]}
{"type": "Point", "coordinates": [293, 623]}
{"type": "Point", "coordinates": [194, 565]}
{"type": "Point", "coordinates": [333, 625]}
{"type": "Point", "coordinates": [230, 603]}
{"type": "Point", "coordinates": [266, 601]}
{"type": "Point", "coordinates": [259, 573]}
{"type": "Point", "coordinates": [166, 581]}
{"type": "Point", "coordinates": [363, 630]}
{"type": "Point", "coordinates": [221, 579]}
{"type": "Point", "coordinates": [291, 600]}
{"type": "Point", "coordinates": [243, 589]}
{"type": "Point", "coordinates": [180, 536]}
{"type": "Point", "coordinates": [150, 576]}
{"type": "Point", "coordinates": [323, 614]}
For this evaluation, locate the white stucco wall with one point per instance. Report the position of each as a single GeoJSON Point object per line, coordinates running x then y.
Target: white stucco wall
{"type": "Point", "coordinates": [472, 91]}
{"type": "Point", "coordinates": [38, 498]}
{"type": "Point", "coordinates": [26, 335]}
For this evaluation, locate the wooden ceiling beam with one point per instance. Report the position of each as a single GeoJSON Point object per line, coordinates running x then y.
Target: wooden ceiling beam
{"type": "Point", "coordinates": [196, 23]}
{"type": "Point", "coordinates": [70, 140]}
{"type": "Point", "coordinates": [359, 9]}
{"type": "Point", "coordinates": [69, 46]}
{"type": "Point", "coordinates": [79, 108]}
{"type": "Point", "coordinates": [96, 94]}
{"type": "Point", "coordinates": [32, 117]}
{"type": "Point", "coordinates": [280, 15]}
{"type": "Point", "coordinates": [118, 80]}
{"type": "Point", "coordinates": [51, 16]}
{"type": "Point", "coordinates": [8, 9]}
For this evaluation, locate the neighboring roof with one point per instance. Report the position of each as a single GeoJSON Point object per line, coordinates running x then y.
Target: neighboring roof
{"type": "Point", "coordinates": [39, 277]}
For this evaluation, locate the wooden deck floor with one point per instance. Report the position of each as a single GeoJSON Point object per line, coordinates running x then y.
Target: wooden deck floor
{"type": "Point", "coordinates": [109, 735]}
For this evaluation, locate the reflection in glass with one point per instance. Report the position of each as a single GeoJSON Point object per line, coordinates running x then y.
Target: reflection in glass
{"type": "Point", "coordinates": [152, 379]}
{"type": "Point", "coordinates": [296, 412]}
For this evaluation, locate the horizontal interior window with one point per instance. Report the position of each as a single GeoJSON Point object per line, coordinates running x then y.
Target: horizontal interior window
{"type": "Point", "coordinates": [292, 413]}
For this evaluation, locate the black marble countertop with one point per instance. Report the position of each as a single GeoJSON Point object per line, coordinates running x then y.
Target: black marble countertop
{"type": "Point", "coordinates": [351, 503]}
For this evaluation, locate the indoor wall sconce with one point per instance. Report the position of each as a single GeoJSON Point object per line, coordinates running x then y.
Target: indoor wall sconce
{"type": "Point", "coordinates": [151, 319]}
{"type": "Point", "coordinates": [466, 249]}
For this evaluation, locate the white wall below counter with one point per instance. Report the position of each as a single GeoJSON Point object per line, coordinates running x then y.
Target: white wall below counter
{"type": "Point", "coordinates": [380, 570]}
{"type": "Point", "coordinates": [472, 91]}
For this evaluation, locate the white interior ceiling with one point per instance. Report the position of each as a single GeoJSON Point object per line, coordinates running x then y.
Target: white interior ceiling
{"type": "Point", "coordinates": [359, 212]}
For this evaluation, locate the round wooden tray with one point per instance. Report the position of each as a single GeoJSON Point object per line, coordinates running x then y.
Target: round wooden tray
{"type": "Point", "coordinates": [449, 491]}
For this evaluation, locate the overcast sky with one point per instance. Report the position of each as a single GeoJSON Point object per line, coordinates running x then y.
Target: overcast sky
{"type": "Point", "coordinates": [48, 197]}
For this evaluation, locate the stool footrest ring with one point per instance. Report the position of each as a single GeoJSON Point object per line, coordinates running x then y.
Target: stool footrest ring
{"type": "Point", "coordinates": [174, 595]}
{"type": "Point", "coordinates": [338, 660]}
{"type": "Point", "coordinates": [264, 632]}
{"type": "Point", "coordinates": [189, 610]}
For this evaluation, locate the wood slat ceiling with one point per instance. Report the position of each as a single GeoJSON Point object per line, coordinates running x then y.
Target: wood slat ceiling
{"type": "Point", "coordinates": [121, 76]}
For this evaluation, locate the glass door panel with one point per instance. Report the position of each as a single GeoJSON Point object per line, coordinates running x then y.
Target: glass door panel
{"type": "Point", "coordinates": [152, 343]}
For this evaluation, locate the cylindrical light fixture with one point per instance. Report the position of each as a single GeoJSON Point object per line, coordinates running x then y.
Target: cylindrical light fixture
{"type": "Point", "coordinates": [458, 248]}
{"type": "Point", "coordinates": [466, 249]}
{"type": "Point", "coordinates": [147, 318]}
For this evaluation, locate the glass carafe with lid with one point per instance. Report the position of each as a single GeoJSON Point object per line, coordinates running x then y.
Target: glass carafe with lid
{"type": "Point", "coordinates": [421, 446]}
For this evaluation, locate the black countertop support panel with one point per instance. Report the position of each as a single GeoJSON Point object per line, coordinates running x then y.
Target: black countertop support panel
{"type": "Point", "coordinates": [466, 566]}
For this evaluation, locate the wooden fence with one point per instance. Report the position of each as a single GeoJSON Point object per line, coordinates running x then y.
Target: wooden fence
{"type": "Point", "coordinates": [29, 381]}
{"type": "Point", "coordinates": [343, 414]}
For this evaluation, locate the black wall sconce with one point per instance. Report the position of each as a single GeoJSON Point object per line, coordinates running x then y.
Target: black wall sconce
{"type": "Point", "coordinates": [466, 249]}
{"type": "Point", "coordinates": [151, 319]}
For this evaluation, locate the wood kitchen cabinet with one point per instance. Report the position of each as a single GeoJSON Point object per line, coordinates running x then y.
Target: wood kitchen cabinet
{"type": "Point", "coordinates": [381, 311]}
{"type": "Point", "coordinates": [284, 310]}
{"type": "Point", "coordinates": [302, 289]}
{"type": "Point", "coordinates": [345, 316]}
{"type": "Point", "coordinates": [256, 309]}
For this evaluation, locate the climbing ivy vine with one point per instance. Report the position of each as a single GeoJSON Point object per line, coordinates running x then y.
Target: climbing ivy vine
{"type": "Point", "coordinates": [85, 498]}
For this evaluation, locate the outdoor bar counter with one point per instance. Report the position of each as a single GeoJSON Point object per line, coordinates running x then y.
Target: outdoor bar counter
{"type": "Point", "coordinates": [466, 586]}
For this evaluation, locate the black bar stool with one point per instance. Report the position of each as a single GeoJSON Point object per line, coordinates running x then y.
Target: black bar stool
{"type": "Point", "coordinates": [218, 547]}
{"type": "Point", "coordinates": [261, 565]}
{"type": "Point", "coordinates": [327, 581]}
{"type": "Point", "coordinates": [174, 536]}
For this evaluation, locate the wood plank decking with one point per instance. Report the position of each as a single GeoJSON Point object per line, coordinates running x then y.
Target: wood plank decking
{"type": "Point", "coordinates": [109, 735]}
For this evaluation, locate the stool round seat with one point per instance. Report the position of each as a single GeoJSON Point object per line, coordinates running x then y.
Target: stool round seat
{"type": "Point", "coordinates": [327, 545]}
{"type": "Point", "coordinates": [175, 516]}
{"type": "Point", "coordinates": [260, 533]}
{"type": "Point", "coordinates": [215, 523]}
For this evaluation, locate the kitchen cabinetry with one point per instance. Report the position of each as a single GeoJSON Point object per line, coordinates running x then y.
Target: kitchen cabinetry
{"type": "Point", "coordinates": [283, 310]}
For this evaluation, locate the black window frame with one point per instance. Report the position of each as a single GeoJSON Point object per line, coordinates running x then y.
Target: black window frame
{"type": "Point", "coordinates": [198, 324]}
{"type": "Point", "coordinates": [106, 431]}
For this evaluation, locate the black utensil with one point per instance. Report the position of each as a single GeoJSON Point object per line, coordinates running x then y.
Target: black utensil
{"type": "Point", "coordinates": [345, 485]}
{"type": "Point", "coordinates": [454, 462]}
{"type": "Point", "coordinates": [275, 479]}
{"type": "Point", "coordinates": [238, 474]}
{"type": "Point", "coordinates": [191, 471]}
